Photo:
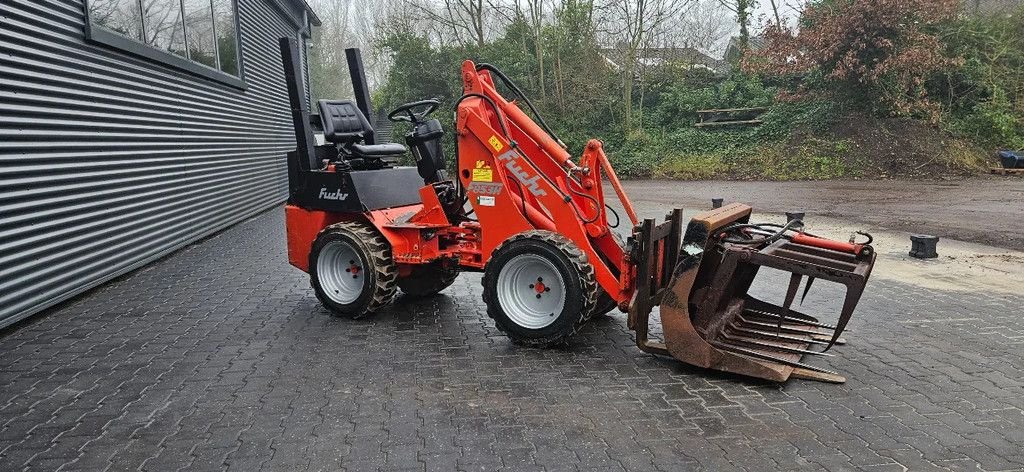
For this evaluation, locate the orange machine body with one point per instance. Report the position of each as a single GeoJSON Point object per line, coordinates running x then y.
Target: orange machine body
{"type": "Point", "coordinates": [516, 178]}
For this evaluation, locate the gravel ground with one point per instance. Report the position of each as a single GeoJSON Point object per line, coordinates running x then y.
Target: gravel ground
{"type": "Point", "coordinates": [986, 209]}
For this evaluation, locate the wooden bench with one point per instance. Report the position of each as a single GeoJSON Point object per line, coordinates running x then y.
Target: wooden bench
{"type": "Point", "coordinates": [730, 116]}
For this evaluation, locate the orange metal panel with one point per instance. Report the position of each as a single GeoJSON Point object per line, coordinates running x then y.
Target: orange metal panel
{"type": "Point", "coordinates": [303, 227]}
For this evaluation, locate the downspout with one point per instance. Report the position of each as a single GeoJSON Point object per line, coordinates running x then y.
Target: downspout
{"type": "Point", "coordinates": [306, 32]}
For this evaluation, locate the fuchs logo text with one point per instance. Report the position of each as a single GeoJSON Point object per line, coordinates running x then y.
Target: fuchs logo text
{"type": "Point", "coordinates": [335, 195]}
{"type": "Point", "coordinates": [531, 183]}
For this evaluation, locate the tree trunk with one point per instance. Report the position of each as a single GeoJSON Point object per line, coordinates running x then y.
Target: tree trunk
{"type": "Point", "coordinates": [743, 18]}
{"type": "Point", "coordinates": [540, 66]}
{"type": "Point", "coordinates": [537, 22]}
{"type": "Point", "coordinates": [478, 22]}
{"type": "Point", "coordinates": [559, 84]}
{"type": "Point", "coordinates": [640, 105]}
{"type": "Point", "coordinates": [775, 10]}
{"type": "Point", "coordinates": [627, 92]}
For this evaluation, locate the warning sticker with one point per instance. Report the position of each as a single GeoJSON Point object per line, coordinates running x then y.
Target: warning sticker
{"type": "Point", "coordinates": [485, 200]}
{"type": "Point", "coordinates": [496, 143]}
{"type": "Point", "coordinates": [482, 172]}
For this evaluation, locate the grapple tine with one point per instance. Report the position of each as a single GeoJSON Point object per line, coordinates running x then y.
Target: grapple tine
{"type": "Point", "coordinates": [793, 319]}
{"type": "Point", "coordinates": [770, 335]}
{"type": "Point", "coordinates": [807, 288]}
{"type": "Point", "coordinates": [776, 346]}
{"type": "Point", "coordinates": [849, 304]}
{"type": "Point", "coordinates": [788, 329]}
{"type": "Point", "coordinates": [750, 352]}
{"type": "Point", "coordinates": [794, 285]}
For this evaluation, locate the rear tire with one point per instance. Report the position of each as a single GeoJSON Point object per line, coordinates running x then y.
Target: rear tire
{"type": "Point", "coordinates": [351, 269]}
{"type": "Point", "coordinates": [539, 288]}
{"type": "Point", "coordinates": [427, 279]}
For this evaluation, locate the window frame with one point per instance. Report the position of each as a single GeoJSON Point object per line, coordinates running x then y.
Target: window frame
{"type": "Point", "coordinates": [97, 34]}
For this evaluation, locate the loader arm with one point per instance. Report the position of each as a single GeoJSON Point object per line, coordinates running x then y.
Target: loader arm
{"type": "Point", "coordinates": [518, 176]}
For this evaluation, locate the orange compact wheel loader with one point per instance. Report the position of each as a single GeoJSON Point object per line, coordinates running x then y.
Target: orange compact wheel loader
{"type": "Point", "coordinates": [535, 223]}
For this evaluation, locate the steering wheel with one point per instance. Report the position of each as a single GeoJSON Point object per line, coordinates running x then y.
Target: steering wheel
{"type": "Point", "coordinates": [408, 114]}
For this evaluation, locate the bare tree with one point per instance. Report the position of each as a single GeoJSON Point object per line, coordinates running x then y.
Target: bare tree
{"type": "Point", "coordinates": [536, 10]}
{"type": "Point", "coordinates": [345, 24]}
{"type": "Point", "coordinates": [465, 20]}
{"type": "Point", "coordinates": [775, 11]}
{"type": "Point", "coordinates": [573, 50]}
{"type": "Point", "coordinates": [703, 27]}
{"type": "Point", "coordinates": [742, 9]}
{"type": "Point", "coordinates": [634, 25]}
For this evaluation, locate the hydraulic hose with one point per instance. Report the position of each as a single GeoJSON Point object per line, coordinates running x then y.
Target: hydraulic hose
{"type": "Point", "coordinates": [791, 225]}
{"type": "Point", "coordinates": [579, 213]}
{"type": "Point", "coordinates": [519, 93]}
{"type": "Point", "coordinates": [494, 106]}
{"type": "Point", "coordinates": [617, 219]}
{"type": "Point", "coordinates": [501, 122]}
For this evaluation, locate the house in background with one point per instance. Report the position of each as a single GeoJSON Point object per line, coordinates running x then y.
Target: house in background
{"type": "Point", "coordinates": [733, 51]}
{"type": "Point", "coordinates": [131, 128]}
{"type": "Point", "coordinates": [656, 57]}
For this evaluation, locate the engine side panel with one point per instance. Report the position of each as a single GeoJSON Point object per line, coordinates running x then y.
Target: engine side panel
{"type": "Point", "coordinates": [356, 191]}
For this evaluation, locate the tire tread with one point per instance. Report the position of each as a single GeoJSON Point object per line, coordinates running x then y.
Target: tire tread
{"type": "Point", "coordinates": [588, 282]}
{"type": "Point", "coordinates": [384, 266]}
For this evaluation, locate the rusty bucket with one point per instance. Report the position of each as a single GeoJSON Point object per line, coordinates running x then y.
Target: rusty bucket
{"type": "Point", "coordinates": [708, 318]}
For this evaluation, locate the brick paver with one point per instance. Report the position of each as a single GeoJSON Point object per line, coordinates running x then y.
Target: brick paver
{"type": "Point", "coordinates": [220, 357]}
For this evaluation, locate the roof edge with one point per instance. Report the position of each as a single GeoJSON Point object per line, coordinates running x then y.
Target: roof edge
{"type": "Point", "coordinates": [312, 17]}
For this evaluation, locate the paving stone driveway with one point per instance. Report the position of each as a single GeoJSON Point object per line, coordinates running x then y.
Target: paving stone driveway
{"type": "Point", "coordinates": [219, 357]}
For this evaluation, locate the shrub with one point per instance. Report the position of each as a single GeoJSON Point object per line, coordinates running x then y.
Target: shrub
{"type": "Point", "coordinates": [879, 52]}
{"type": "Point", "coordinates": [679, 103]}
{"type": "Point", "coordinates": [984, 99]}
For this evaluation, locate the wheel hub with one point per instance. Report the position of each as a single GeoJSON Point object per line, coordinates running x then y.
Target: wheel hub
{"type": "Point", "coordinates": [353, 269]}
{"type": "Point", "coordinates": [539, 287]}
{"type": "Point", "coordinates": [531, 291]}
{"type": "Point", "coordinates": [338, 269]}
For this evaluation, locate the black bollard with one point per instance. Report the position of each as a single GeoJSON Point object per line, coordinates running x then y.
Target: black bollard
{"type": "Point", "coordinates": [716, 203]}
{"type": "Point", "coordinates": [922, 246]}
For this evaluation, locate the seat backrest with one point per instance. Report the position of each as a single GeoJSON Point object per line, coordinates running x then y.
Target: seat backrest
{"type": "Point", "coordinates": [343, 122]}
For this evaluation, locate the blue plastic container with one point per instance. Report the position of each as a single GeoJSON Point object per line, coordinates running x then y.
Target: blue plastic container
{"type": "Point", "coordinates": [1011, 160]}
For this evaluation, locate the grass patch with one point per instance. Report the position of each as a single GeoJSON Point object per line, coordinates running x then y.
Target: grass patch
{"type": "Point", "coordinates": [692, 167]}
{"type": "Point", "coordinates": [813, 159]}
{"type": "Point", "coordinates": [960, 155]}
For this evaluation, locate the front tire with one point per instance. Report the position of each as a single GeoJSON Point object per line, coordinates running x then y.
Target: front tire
{"type": "Point", "coordinates": [605, 304]}
{"type": "Point", "coordinates": [539, 288]}
{"type": "Point", "coordinates": [351, 269]}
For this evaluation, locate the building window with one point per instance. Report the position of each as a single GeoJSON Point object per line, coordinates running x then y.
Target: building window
{"type": "Point", "coordinates": [200, 36]}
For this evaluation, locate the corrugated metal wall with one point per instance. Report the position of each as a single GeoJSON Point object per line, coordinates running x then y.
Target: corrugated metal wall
{"type": "Point", "coordinates": [109, 161]}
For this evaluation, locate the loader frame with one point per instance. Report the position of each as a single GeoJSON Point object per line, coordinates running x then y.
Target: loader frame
{"type": "Point", "coordinates": [518, 178]}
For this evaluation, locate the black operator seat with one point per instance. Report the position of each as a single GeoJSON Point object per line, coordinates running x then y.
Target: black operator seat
{"type": "Point", "coordinates": [345, 125]}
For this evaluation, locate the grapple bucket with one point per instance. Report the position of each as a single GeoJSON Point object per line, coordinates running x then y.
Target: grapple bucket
{"type": "Point", "coordinates": [708, 318]}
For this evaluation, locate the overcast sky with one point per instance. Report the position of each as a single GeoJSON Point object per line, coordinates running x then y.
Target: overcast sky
{"type": "Point", "coordinates": [789, 10]}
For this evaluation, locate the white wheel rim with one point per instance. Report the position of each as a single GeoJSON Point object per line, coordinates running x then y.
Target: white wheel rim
{"type": "Point", "coordinates": [531, 291]}
{"type": "Point", "coordinates": [341, 272]}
